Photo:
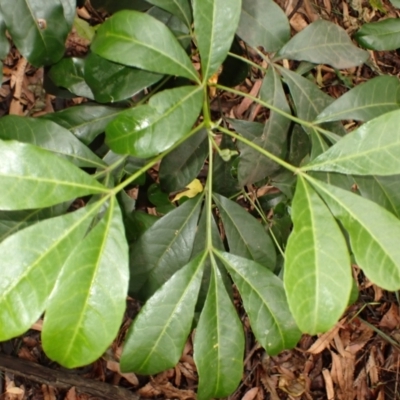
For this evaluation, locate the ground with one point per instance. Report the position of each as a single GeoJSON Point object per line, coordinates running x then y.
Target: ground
{"type": "Point", "coordinates": [358, 359]}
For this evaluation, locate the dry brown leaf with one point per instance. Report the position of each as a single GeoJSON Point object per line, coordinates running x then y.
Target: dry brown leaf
{"type": "Point", "coordinates": [250, 394]}
{"type": "Point", "coordinates": [325, 339]}
{"type": "Point", "coordinates": [330, 391]}
{"type": "Point", "coordinates": [391, 319]}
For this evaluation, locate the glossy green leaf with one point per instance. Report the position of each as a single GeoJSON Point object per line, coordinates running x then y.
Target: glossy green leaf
{"type": "Point", "coordinates": [264, 300]}
{"type": "Point", "coordinates": [31, 262]}
{"type": "Point", "coordinates": [381, 35]}
{"type": "Point", "coordinates": [309, 100]}
{"type": "Point", "coordinates": [48, 135]}
{"type": "Point", "coordinates": [184, 163]}
{"type": "Point", "coordinates": [111, 82]}
{"type": "Point", "coordinates": [377, 96]}
{"type": "Point", "coordinates": [39, 32]}
{"type": "Point", "coordinates": [372, 149]}
{"type": "Point", "coordinates": [324, 42]}
{"type": "Point", "coordinates": [156, 339]}
{"type": "Point", "coordinates": [87, 304]}
{"type": "Point", "coordinates": [254, 166]}
{"type": "Point", "coordinates": [69, 74]}
{"type": "Point", "coordinates": [373, 233]}
{"type": "Point", "coordinates": [163, 249]}
{"type": "Point", "coordinates": [382, 190]}
{"type": "Point", "coordinates": [139, 40]}
{"type": "Point", "coordinates": [263, 23]}
{"type": "Point", "coordinates": [85, 121]}
{"type": "Point", "coordinates": [246, 236]}
{"type": "Point", "coordinates": [180, 8]}
{"type": "Point", "coordinates": [149, 129]}
{"type": "Point", "coordinates": [13, 221]}
{"type": "Point", "coordinates": [84, 29]}
{"type": "Point", "coordinates": [218, 343]}
{"type": "Point", "coordinates": [215, 24]}
{"type": "Point", "coordinates": [25, 187]}
{"type": "Point", "coordinates": [317, 274]}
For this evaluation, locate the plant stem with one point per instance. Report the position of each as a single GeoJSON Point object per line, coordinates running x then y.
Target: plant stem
{"type": "Point", "coordinates": [247, 61]}
{"type": "Point", "coordinates": [260, 150]}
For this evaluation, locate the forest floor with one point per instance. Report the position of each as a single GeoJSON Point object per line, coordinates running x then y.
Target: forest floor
{"type": "Point", "coordinates": [358, 359]}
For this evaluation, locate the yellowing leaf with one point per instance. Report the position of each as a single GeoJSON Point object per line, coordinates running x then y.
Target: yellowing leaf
{"type": "Point", "coordinates": [194, 188]}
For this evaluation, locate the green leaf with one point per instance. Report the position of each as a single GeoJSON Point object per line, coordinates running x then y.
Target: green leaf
{"type": "Point", "coordinates": [112, 6]}
{"type": "Point", "coordinates": [180, 8]}
{"type": "Point", "coordinates": [87, 304]}
{"type": "Point", "coordinates": [373, 233]}
{"type": "Point", "coordinates": [13, 221]}
{"type": "Point", "coordinates": [246, 236]}
{"type": "Point", "coordinates": [263, 23]}
{"type": "Point", "coordinates": [184, 163]}
{"type": "Point", "coordinates": [381, 35]}
{"type": "Point", "coordinates": [395, 3]}
{"type": "Point", "coordinates": [149, 129]}
{"type": "Point", "coordinates": [377, 96]}
{"type": "Point", "coordinates": [24, 187]}
{"type": "Point", "coordinates": [254, 166]}
{"type": "Point", "coordinates": [111, 82]}
{"type": "Point", "coordinates": [215, 23]}
{"type": "Point", "coordinates": [156, 339]}
{"type": "Point", "coordinates": [218, 343]}
{"type": "Point", "coordinates": [324, 42]}
{"type": "Point", "coordinates": [382, 190]}
{"type": "Point", "coordinates": [317, 272]}
{"type": "Point", "coordinates": [83, 29]}
{"type": "Point", "coordinates": [31, 262]}
{"type": "Point", "coordinates": [85, 121]}
{"type": "Point", "coordinates": [69, 74]}
{"type": "Point", "coordinates": [309, 100]}
{"type": "Point", "coordinates": [39, 32]}
{"type": "Point", "coordinates": [264, 300]}
{"type": "Point", "coordinates": [48, 135]}
{"type": "Point", "coordinates": [139, 40]}
{"type": "Point", "coordinates": [4, 44]}
{"type": "Point", "coordinates": [163, 249]}
{"type": "Point", "coordinates": [372, 149]}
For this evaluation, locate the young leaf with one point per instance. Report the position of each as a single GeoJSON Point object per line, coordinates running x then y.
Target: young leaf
{"type": "Point", "coordinates": [163, 249]}
{"type": "Point", "coordinates": [149, 129]}
{"type": "Point", "coordinates": [263, 23]}
{"type": "Point", "coordinates": [156, 338]}
{"type": "Point", "coordinates": [309, 99]}
{"type": "Point", "coordinates": [39, 32]}
{"type": "Point", "coordinates": [377, 96]}
{"type": "Point", "coordinates": [215, 23]}
{"type": "Point", "coordinates": [265, 302]}
{"type": "Point", "coordinates": [69, 74]}
{"type": "Point", "coordinates": [180, 8]}
{"type": "Point", "coordinates": [317, 272]}
{"type": "Point", "coordinates": [85, 121]}
{"type": "Point", "coordinates": [111, 82]}
{"type": "Point", "coordinates": [139, 40]}
{"type": "Point", "coordinates": [51, 181]}
{"type": "Point", "coordinates": [373, 233]}
{"type": "Point", "coordinates": [324, 42]}
{"type": "Point", "coordinates": [183, 164]}
{"type": "Point", "coordinates": [372, 149]}
{"type": "Point", "coordinates": [246, 236]}
{"type": "Point", "coordinates": [48, 135]}
{"type": "Point", "coordinates": [94, 280]}
{"type": "Point", "coordinates": [218, 343]}
{"type": "Point", "coordinates": [381, 35]}
{"type": "Point", "coordinates": [31, 261]}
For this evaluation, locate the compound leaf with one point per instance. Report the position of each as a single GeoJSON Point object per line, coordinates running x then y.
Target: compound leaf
{"type": "Point", "coordinates": [215, 23]}
{"type": "Point", "coordinates": [156, 339]}
{"type": "Point", "coordinates": [87, 304]}
{"type": "Point", "coordinates": [139, 40]}
{"type": "Point", "coordinates": [317, 274]}
{"type": "Point", "coordinates": [265, 302]}
{"type": "Point", "coordinates": [28, 182]}
{"type": "Point", "coordinates": [324, 42]}
{"type": "Point", "coordinates": [149, 129]}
